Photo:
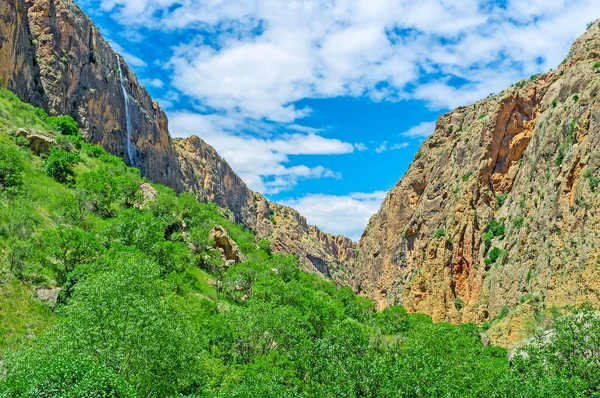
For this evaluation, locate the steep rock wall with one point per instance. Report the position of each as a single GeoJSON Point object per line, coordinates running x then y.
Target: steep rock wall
{"type": "Point", "coordinates": [52, 56]}
{"type": "Point", "coordinates": [527, 158]}
{"type": "Point", "coordinates": [212, 179]}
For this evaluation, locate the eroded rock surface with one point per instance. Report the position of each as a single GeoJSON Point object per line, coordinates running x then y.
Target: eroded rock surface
{"type": "Point", "coordinates": [227, 246]}
{"type": "Point", "coordinates": [528, 158]}
{"type": "Point", "coordinates": [212, 179]}
{"type": "Point", "coordinates": [39, 143]}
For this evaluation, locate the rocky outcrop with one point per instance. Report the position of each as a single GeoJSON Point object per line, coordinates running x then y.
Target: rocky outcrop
{"type": "Point", "coordinates": [48, 296]}
{"type": "Point", "coordinates": [498, 216]}
{"type": "Point", "coordinates": [39, 143]}
{"type": "Point", "coordinates": [227, 246]}
{"type": "Point", "coordinates": [52, 56]}
{"type": "Point", "coordinates": [210, 177]}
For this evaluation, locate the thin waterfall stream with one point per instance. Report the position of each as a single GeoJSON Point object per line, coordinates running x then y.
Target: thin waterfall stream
{"type": "Point", "coordinates": [127, 117]}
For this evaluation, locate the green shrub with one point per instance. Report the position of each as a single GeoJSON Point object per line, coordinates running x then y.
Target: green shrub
{"type": "Point", "coordinates": [560, 157]}
{"type": "Point", "coordinates": [65, 125]}
{"type": "Point", "coordinates": [501, 198]}
{"type": "Point", "coordinates": [44, 375]}
{"type": "Point", "coordinates": [265, 245]}
{"type": "Point", "coordinates": [59, 165]}
{"type": "Point", "coordinates": [576, 98]}
{"type": "Point", "coordinates": [11, 169]}
{"type": "Point", "coordinates": [518, 223]}
{"type": "Point", "coordinates": [96, 191]}
{"type": "Point", "coordinates": [554, 103]}
{"type": "Point", "coordinates": [95, 151]}
{"type": "Point", "coordinates": [494, 255]}
{"type": "Point", "coordinates": [521, 84]}
{"type": "Point", "coordinates": [503, 313]}
{"type": "Point", "coordinates": [391, 320]}
{"type": "Point", "coordinates": [593, 181]}
{"type": "Point", "coordinates": [496, 228]}
{"type": "Point", "coordinates": [439, 233]}
{"type": "Point", "coordinates": [487, 239]}
{"type": "Point", "coordinates": [459, 304]}
{"type": "Point", "coordinates": [467, 176]}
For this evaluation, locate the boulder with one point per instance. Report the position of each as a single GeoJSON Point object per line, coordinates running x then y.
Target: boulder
{"type": "Point", "coordinates": [229, 249]}
{"type": "Point", "coordinates": [149, 194]}
{"type": "Point", "coordinates": [39, 143]}
{"type": "Point", "coordinates": [48, 296]}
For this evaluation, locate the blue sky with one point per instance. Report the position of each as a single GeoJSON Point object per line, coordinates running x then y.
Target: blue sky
{"type": "Point", "coordinates": [322, 104]}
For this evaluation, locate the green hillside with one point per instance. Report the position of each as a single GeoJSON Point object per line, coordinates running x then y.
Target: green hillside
{"type": "Point", "coordinates": [149, 309]}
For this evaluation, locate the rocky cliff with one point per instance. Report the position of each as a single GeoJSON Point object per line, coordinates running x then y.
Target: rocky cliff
{"type": "Point", "coordinates": [211, 179]}
{"type": "Point", "coordinates": [499, 212]}
{"type": "Point", "coordinates": [52, 56]}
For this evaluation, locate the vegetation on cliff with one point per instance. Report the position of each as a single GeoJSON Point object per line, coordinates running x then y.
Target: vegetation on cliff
{"type": "Point", "coordinates": [148, 307]}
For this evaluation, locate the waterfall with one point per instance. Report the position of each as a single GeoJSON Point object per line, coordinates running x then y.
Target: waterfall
{"type": "Point", "coordinates": [127, 117]}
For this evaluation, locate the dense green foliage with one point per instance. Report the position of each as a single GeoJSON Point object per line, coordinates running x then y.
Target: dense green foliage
{"type": "Point", "coordinates": [149, 309]}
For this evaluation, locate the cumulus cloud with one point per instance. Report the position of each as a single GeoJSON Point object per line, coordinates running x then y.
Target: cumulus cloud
{"type": "Point", "coordinates": [260, 161]}
{"type": "Point", "coordinates": [360, 147]}
{"type": "Point", "coordinates": [422, 130]}
{"type": "Point", "coordinates": [156, 83]}
{"type": "Point", "coordinates": [346, 215]}
{"type": "Point", "coordinates": [266, 55]}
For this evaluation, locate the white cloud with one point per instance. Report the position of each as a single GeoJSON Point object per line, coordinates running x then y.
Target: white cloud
{"type": "Point", "coordinates": [381, 148]}
{"type": "Point", "coordinates": [401, 145]}
{"type": "Point", "coordinates": [260, 161]}
{"type": "Point", "coordinates": [384, 147]}
{"type": "Point", "coordinates": [265, 55]}
{"type": "Point", "coordinates": [346, 215]}
{"type": "Point", "coordinates": [360, 147]}
{"type": "Point", "coordinates": [156, 83]}
{"type": "Point", "coordinates": [422, 130]}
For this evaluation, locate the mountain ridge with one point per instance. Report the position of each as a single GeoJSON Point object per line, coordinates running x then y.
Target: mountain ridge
{"type": "Point", "coordinates": [53, 56]}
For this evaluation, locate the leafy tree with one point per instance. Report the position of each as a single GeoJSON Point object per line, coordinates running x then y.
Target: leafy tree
{"type": "Point", "coordinates": [40, 374]}
{"type": "Point", "coordinates": [121, 315]}
{"type": "Point", "coordinates": [69, 246]}
{"type": "Point", "coordinates": [565, 361]}
{"type": "Point", "coordinates": [11, 169]}
{"type": "Point", "coordinates": [129, 191]}
{"type": "Point", "coordinates": [392, 320]}
{"type": "Point", "coordinates": [65, 125]}
{"type": "Point", "coordinates": [96, 191]}
{"type": "Point", "coordinates": [59, 165]}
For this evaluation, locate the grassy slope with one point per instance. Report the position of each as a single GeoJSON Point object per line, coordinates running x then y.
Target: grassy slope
{"type": "Point", "coordinates": [141, 315]}
{"type": "Point", "coordinates": [22, 315]}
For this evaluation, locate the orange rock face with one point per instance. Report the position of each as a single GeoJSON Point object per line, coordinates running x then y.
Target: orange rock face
{"type": "Point", "coordinates": [528, 158]}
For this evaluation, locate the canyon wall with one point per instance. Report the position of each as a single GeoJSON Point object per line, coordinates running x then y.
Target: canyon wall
{"type": "Point", "coordinates": [498, 213]}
